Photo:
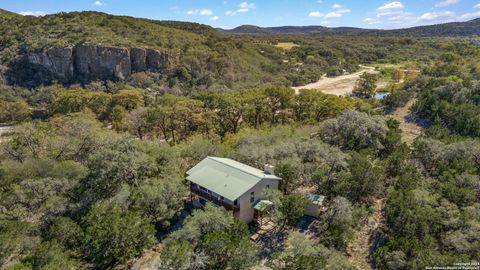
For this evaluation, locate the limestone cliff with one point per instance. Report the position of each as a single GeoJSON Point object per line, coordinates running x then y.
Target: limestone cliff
{"type": "Point", "coordinates": [85, 62]}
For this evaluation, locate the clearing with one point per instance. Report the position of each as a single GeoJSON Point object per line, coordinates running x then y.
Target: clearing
{"type": "Point", "coordinates": [5, 131]}
{"type": "Point", "coordinates": [338, 86]}
{"type": "Point", "coordinates": [410, 129]}
{"type": "Point", "coordinates": [364, 239]}
{"type": "Point", "coordinates": [286, 45]}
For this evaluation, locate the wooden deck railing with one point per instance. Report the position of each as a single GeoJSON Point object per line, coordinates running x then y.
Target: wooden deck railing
{"type": "Point", "coordinates": [209, 197]}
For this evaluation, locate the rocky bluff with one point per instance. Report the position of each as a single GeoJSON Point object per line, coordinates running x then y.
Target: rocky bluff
{"type": "Point", "coordinates": [84, 62]}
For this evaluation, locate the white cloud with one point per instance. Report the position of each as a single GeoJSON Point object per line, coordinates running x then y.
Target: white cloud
{"type": "Point", "coordinates": [242, 8]}
{"type": "Point", "coordinates": [333, 15]}
{"type": "Point", "coordinates": [477, 6]}
{"type": "Point", "coordinates": [337, 13]}
{"type": "Point", "coordinates": [202, 12]}
{"type": "Point", "coordinates": [246, 5]}
{"type": "Point", "coordinates": [469, 16]}
{"type": "Point", "coordinates": [214, 18]}
{"type": "Point", "coordinates": [315, 14]}
{"type": "Point", "coordinates": [430, 16]}
{"type": "Point", "coordinates": [33, 13]}
{"type": "Point", "coordinates": [98, 4]}
{"type": "Point", "coordinates": [447, 3]}
{"type": "Point", "coordinates": [391, 6]}
{"type": "Point", "coordinates": [206, 12]}
{"type": "Point", "coordinates": [392, 9]}
{"type": "Point", "coordinates": [371, 21]}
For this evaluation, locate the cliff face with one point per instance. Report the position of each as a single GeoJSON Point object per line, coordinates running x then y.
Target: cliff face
{"type": "Point", "coordinates": [85, 62]}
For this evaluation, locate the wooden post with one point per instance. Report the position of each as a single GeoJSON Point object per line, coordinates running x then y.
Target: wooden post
{"type": "Point", "coordinates": [191, 193]}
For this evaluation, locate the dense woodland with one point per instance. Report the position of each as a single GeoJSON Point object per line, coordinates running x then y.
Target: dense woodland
{"type": "Point", "coordinates": [93, 174]}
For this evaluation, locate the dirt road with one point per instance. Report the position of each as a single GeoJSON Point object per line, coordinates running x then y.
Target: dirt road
{"type": "Point", "coordinates": [410, 129]}
{"type": "Point", "coordinates": [359, 247]}
{"type": "Point", "coordinates": [339, 86]}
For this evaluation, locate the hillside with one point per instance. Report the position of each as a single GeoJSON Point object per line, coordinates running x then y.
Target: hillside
{"type": "Point", "coordinates": [196, 50]}
{"type": "Point", "coordinates": [8, 14]}
{"type": "Point", "coordinates": [440, 30]}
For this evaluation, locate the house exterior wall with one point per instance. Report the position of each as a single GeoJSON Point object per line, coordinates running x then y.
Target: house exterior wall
{"type": "Point", "coordinates": [313, 210]}
{"type": "Point", "coordinates": [246, 212]}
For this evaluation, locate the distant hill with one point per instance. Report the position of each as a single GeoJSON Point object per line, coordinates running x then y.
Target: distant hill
{"type": "Point", "coordinates": [290, 30]}
{"type": "Point", "coordinates": [468, 28]}
{"type": "Point", "coordinates": [7, 14]}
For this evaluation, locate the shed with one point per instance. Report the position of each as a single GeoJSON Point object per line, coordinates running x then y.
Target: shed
{"type": "Point", "coordinates": [315, 205]}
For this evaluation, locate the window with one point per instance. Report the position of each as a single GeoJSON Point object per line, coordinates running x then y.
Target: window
{"type": "Point", "coordinates": [252, 197]}
{"type": "Point", "coordinates": [268, 186]}
{"type": "Point", "coordinates": [235, 202]}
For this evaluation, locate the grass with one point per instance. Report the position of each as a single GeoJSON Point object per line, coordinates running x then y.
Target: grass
{"type": "Point", "coordinates": [286, 45]}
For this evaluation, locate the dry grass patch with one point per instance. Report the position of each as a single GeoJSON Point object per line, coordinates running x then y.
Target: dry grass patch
{"type": "Point", "coordinates": [286, 45]}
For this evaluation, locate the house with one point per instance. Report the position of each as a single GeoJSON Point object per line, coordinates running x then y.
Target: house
{"type": "Point", "coordinates": [236, 186]}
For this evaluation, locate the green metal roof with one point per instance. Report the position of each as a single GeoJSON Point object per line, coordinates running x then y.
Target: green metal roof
{"type": "Point", "coordinates": [226, 177]}
{"type": "Point", "coordinates": [315, 199]}
{"type": "Point", "coordinates": [262, 205]}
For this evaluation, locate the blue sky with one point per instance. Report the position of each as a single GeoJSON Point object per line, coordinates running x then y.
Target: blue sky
{"type": "Point", "coordinates": [232, 13]}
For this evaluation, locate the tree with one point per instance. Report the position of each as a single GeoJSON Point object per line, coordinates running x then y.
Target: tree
{"type": "Point", "coordinates": [114, 235]}
{"type": "Point", "coordinates": [120, 162]}
{"type": "Point", "coordinates": [354, 130]}
{"type": "Point", "coordinates": [118, 116]}
{"type": "Point", "coordinates": [75, 136]}
{"type": "Point", "coordinates": [52, 256]}
{"type": "Point", "coordinates": [13, 112]}
{"type": "Point", "coordinates": [230, 107]}
{"type": "Point", "coordinates": [128, 99]}
{"type": "Point", "coordinates": [180, 256]}
{"type": "Point", "coordinates": [201, 222]}
{"type": "Point", "coordinates": [159, 199]}
{"type": "Point", "coordinates": [17, 239]}
{"type": "Point", "coordinates": [312, 106]}
{"type": "Point", "coordinates": [137, 122]}
{"type": "Point", "coordinates": [366, 85]}
{"type": "Point", "coordinates": [279, 100]}
{"type": "Point", "coordinates": [69, 101]}
{"type": "Point", "coordinates": [303, 253]}
{"type": "Point", "coordinates": [288, 171]}
{"type": "Point", "coordinates": [365, 181]}
{"type": "Point", "coordinates": [175, 118]}
{"type": "Point", "coordinates": [336, 224]}
{"type": "Point", "coordinates": [287, 209]}
{"type": "Point", "coordinates": [67, 232]}
{"type": "Point", "coordinates": [256, 106]}
{"type": "Point", "coordinates": [231, 248]}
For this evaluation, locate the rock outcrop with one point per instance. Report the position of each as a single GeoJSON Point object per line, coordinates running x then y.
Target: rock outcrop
{"type": "Point", "coordinates": [85, 62]}
{"type": "Point", "coordinates": [57, 61]}
{"type": "Point", "coordinates": [101, 62]}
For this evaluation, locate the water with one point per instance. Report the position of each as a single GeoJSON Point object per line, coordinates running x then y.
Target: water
{"type": "Point", "coordinates": [380, 96]}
